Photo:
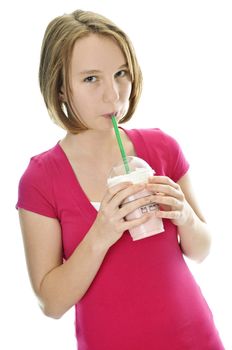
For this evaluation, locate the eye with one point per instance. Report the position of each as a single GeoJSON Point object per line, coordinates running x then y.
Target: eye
{"type": "Point", "coordinates": [90, 79]}
{"type": "Point", "coordinates": [121, 73]}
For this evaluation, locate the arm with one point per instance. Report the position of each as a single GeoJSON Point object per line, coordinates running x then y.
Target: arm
{"type": "Point", "coordinates": [195, 237]}
{"type": "Point", "coordinates": [178, 203]}
{"type": "Point", "coordinates": [59, 285]}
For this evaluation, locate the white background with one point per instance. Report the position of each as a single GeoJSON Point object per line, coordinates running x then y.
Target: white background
{"type": "Point", "coordinates": [184, 49]}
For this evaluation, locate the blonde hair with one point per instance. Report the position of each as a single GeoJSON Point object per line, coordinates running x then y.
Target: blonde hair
{"type": "Point", "coordinates": [59, 39]}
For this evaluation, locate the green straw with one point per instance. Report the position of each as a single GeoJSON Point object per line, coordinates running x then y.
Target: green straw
{"type": "Point", "coordinates": [122, 150]}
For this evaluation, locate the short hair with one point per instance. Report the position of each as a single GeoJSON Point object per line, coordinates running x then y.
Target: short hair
{"type": "Point", "coordinates": [57, 46]}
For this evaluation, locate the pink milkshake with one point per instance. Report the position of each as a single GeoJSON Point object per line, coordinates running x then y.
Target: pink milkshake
{"type": "Point", "coordinates": [140, 171]}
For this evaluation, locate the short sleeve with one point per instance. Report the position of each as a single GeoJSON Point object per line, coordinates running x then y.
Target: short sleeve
{"type": "Point", "coordinates": [177, 163]}
{"type": "Point", "coordinates": [35, 189]}
{"type": "Point", "coordinates": [161, 151]}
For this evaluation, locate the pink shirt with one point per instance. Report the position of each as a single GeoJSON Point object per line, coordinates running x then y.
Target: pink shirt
{"type": "Point", "coordinates": [143, 297]}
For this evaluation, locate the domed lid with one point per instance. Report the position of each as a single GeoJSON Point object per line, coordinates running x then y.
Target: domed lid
{"type": "Point", "coordinates": [139, 171]}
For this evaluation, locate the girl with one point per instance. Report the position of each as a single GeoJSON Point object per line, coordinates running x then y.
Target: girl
{"type": "Point", "coordinates": [127, 295]}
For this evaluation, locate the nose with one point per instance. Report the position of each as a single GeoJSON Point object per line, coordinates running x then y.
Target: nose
{"type": "Point", "coordinates": [111, 92]}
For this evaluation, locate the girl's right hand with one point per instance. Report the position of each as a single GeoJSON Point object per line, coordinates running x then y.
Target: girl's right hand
{"type": "Point", "coordinates": [110, 223]}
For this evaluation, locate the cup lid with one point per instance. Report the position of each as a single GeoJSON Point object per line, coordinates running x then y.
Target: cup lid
{"type": "Point", "coordinates": [140, 170]}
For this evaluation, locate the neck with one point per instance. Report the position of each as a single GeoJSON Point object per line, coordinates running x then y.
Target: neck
{"type": "Point", "coordinates": [92, 142]}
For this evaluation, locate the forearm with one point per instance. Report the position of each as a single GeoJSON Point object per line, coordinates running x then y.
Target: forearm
{"type": "Point", "coordinates": [65, 285]}
{"type": "Point", "coordinates": [195, 238]}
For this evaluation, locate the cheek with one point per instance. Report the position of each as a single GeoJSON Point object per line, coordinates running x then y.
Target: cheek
{"type": "Point", "coordinates": [83, 97]}
{"type": "Point", "coordinates": [126, 87]}
{"type": "Point", "coordinates": [126, 91]}
{"type": "Point", "coordinates": [129, 88]}
{"type": "Point", "coordinates": [125, 98]}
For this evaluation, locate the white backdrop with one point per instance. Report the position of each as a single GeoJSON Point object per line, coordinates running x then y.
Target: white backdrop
{"type": "Point", "coordinates": [184, 49]}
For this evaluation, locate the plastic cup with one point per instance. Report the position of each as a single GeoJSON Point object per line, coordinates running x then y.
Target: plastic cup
{"type": "Point", "coordinates": [140, 171]}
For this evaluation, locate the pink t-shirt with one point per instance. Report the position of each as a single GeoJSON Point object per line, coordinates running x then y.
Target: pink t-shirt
{"type": "Point", "coordinates": [143, 297]}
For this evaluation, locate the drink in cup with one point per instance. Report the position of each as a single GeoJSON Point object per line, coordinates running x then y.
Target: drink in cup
{"type": "Point", "coordinates": [139, 172]}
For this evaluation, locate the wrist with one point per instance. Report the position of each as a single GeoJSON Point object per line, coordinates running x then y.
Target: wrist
{"type": "Point", "coordinates": [95, 242]}
{"type": "Point", "coordinates": [188, 219]}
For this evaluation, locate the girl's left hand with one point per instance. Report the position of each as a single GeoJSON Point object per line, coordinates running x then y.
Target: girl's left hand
{"type": "Point", "coordinates": [171, 200]}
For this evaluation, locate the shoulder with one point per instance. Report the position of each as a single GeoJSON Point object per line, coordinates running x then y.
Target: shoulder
{"type": "Point", "coordinates": [145, 132]}
{"type": "Point", "coordinates": [46, 156]}
{"type": "Point", "coordinates": [162, 150]}
{"type": "Point", "coordinates": [153, 136]}
{"type": "Point", "coordinates": [35, 190]}
{"type": "Point", "coordinates": [149, 132]}
{"type": "Point", "coordinates": [38, 173]}
{"type": "Point", "coordinates": [40, 163]}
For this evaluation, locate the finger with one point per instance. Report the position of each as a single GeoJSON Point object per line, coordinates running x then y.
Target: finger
{"type": "Point", "coordinates": [127, 225]}
{"type": "Point", "coordinates": [166, 190]}
{"type": "Point", "coordinates": [170, 201]}
{"type": "Point", "coordinates": [112, 207]}
{"type": "Point", "coordinates": [121, 196]}
{"type": "Point", "coordinates": [113, 190]}
{"type": "Point", "coordinates": [173, 215]}
{"type": "Point", "coordinates": [129, 207]}
{"type": "Point", "coordinates": [163, 180]}
{"type": "Point", "coordinates": [115, 197]}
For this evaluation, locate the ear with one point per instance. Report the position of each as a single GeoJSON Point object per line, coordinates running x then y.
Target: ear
{"type": "Point", "coordinates": [62, 95]}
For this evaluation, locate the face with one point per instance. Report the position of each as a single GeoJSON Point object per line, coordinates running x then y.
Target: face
{"type": "Point", "coordinates": [99, 80]}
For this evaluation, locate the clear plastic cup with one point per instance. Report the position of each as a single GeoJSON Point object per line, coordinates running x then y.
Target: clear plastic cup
{"type": "Point", "coordinates": [140, 171]}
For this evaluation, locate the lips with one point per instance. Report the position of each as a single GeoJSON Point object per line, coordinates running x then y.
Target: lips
{"type": "Point", "coordinates": [109, 115]}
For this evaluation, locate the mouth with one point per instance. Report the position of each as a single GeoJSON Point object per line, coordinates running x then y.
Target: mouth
{"type": "Point", "coordinates": [110, 115]}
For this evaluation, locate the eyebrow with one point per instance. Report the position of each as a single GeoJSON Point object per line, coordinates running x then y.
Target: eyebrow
{"type": "Point", "coordinates": [96, 71]}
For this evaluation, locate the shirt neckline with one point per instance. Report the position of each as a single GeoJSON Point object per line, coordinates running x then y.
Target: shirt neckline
{"type": "Point", "coordinates": [80, 194]}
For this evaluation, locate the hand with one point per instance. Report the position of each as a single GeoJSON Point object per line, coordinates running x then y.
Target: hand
{"type": "Point", "coordinates": [110, 223]}
{"type": "Point", "coordinates": [171, 200]}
